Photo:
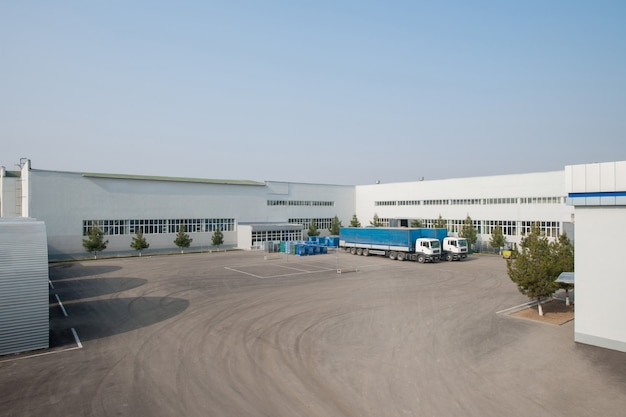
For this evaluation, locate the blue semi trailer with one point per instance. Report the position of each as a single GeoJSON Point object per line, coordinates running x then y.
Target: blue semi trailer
{"type": "Point", "coordinates": [401, 243]}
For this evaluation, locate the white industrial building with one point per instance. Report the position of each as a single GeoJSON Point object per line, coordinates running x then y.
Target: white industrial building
{"type": "Point", "coordinates": [248, 213]}
{"type": "Point", "coordinates": [251, 213]}
{"type": "Point", "coordinates": [598, 193]}
{"type": "Point", "coordinates": [24, 303]}
{"type": "Point", "coordinates": [513, 202]}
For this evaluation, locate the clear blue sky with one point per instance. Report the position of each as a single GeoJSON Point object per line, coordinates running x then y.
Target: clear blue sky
{"type": "Point", "coordinates": [345, 92]}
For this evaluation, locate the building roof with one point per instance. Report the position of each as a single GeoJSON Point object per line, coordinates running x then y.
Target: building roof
{"type": "Point", "coordinates": [172, 179]}
{"type": "Point", "coordinates": [12, 174]}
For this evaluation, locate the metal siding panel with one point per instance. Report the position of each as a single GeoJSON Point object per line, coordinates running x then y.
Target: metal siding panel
{"type": "Point", "coordinates": [24, 296]}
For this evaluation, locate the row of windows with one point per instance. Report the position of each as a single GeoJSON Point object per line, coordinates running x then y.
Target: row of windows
{"type": "Point", "coordinates": [485, 227]}
{"type": "Point", "coordinates": [276, 235]}
{"type": "Point", "coordinates": [473, 201]}
{"type": "Point", "coordinates": [320, 223]}
{"type": "Point", "coordinates": [312, 203]}
{"type": "Point", "coordinates": [155, 226]}
{"type": "Point", "coordinates": [509, 227]}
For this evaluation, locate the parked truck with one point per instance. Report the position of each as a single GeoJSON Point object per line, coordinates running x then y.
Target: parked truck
{"type": "Point", "coordinates": [453, 248]}
{"type": "Point", "coordinates": [413, 244]}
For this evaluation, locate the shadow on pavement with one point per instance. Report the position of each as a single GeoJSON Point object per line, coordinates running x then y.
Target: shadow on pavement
{"type": "Point", "coordinates": [71, 270]}
{"type": "Point", "coordinates": [77, 289]}
{"type": "Point", "coordinates": [102, 318]}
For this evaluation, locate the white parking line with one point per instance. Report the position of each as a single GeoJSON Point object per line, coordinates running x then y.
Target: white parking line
{"type": "Point", "coordinates": [80, 345]}
{"type": "Point", "coordinates": [61, 304]}
{"type": "Point", "coordinates": [300, 272]}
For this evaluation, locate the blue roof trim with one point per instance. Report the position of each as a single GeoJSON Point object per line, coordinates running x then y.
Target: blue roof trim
{"type": "Point", "coordinates": [598, 194]}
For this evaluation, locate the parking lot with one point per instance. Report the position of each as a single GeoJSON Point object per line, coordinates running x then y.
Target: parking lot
{"type": "Point", "coordinates": [252, 334]}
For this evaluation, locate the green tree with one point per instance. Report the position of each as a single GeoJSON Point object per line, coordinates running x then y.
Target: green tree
{"type": "Point", "coordinates": [417, 223]}
{"type": "Point", "coordinates": [468, 231]}
{"type": "Point", "coordinates": [313, 231]}
{"type": "Point", "coordinates": [95, 240]}
{"type": "Point", "coordinates": [218, 238]}
{"type": "Point", "coordinates": [139, 243]}
{"type": "Point", "coordinates": [533, 267]}
{"type": "Point", "coordinates": [497, 238]}
{"type": "Point", "coordinates": [440, 223]}
{"type": "Point", "coordinates": [563, 251]}
{"type": "Point", "coordinates": [376, 221]}
{"type": "Point", "coordinates": [335, 226]}
{"type": "Point", "coordinates": [182, 239]}
{"type": "Point", "coordinates": [355, 221]}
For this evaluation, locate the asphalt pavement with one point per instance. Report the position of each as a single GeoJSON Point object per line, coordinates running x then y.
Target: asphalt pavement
{"type": "Point", "coordinates": [255, 334]}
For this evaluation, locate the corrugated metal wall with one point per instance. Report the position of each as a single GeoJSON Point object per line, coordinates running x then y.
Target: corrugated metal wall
{"type": "Point", "coordinates": [24, 303]}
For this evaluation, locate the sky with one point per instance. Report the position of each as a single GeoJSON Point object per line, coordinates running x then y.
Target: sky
{"type": "Point", "coordinates": [331, 92]}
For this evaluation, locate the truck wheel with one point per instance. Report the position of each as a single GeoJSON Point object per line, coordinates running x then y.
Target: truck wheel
{"type": "Point", "coordinates": [359, 251]}
{"type": "Point", "coordinates": [421, 259]}
{"type": "Point", "coordinates": [366, 252]}
{"type": "Point", "coordinates": [401, 256]}
{"type": "Point", "coordinates": [449, 257]}
{"type": "Point", "coordinates": [393, 255]}
{"type": "Point", "coordinates": [353, 251]}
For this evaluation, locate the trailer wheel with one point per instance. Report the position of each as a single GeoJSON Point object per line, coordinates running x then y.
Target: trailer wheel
{"type": "Point", "coordinates": [366, 252]}
{"type": "Point", "coordinates": [449, 257]}
{"type": "Point", "coordinates": [421, 259]}
{"type": "Point", "coordinates": [393, 255]}
{"type": "Point", "coordinates": [353, 251]}
{"type": "Point", "coordinates": [359, 251]}
{"type": "Point", "coordinates": [401, 256]}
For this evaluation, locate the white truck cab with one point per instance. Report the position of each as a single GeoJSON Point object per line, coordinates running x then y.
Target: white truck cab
{"type": "Point", "coordinates": [427, 249]}
{"type": "Point", "coordinates": [454, 248]}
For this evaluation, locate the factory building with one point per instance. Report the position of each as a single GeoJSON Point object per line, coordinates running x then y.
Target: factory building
{"type": "Point", "coordinates": [250, 214]}
{"type": "Point", "coordinates": [598, 194]}
{"type": "Point", "coordinates": [512, 202]}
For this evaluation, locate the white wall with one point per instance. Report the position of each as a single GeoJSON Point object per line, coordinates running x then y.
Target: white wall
{"type": "Point", "coordinates": [8, 194]}
{"type": "Point", "coordinates": [24, 302]}
{"type": "Point", "coordinates": [542, 184]}
{"type": "Point", "coordinates": [598, 192]}
{"type": "Point", "coordinates": [244, 236]}
{"type": "Point", "coordinates": [600, 277]}
{"type": "Point", "coordinates": [64, 199]}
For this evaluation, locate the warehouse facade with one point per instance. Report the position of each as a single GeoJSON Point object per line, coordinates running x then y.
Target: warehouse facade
{"type": "Point", "coordinates": [248, 213]}
{"type": "Point", "coordinates": [586, 202]}
{"type": "Point", "coordinates": [512, 202]}
{"type": "Point", "coordinates": [251, 213]}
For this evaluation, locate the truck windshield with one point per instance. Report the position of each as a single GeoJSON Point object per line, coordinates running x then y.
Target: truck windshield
{"type": "Point", "coordinates": [462, 243]}
{"type": "Point", "coordinates": [435, 244]}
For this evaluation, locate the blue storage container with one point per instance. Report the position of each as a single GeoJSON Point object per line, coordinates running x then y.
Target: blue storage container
{"type": "Point", "coordinates": [301, 249]}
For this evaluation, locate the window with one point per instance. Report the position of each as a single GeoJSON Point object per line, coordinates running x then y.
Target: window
{"type": "Point", "coordinates": [295, 203]}
{"type": "Point", "coordinates": [158, 226]}
{"type": "Point", "coordinates": [323, 223]}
